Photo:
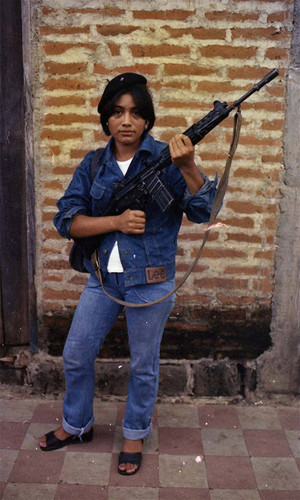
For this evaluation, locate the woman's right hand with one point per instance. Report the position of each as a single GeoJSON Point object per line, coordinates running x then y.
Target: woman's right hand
{"type": "Point", "coordinates": [132, 222]}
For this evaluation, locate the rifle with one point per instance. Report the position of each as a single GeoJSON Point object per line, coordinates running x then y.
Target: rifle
{"type": "Point", "coordinates": [147, 186]}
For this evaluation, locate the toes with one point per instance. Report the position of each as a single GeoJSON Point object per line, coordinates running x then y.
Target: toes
{"type": "Point", "coordinates": [42, 442]}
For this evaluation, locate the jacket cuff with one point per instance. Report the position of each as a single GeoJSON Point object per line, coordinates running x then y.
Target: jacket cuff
{"type": "Point", "coordinates": [67, 219]}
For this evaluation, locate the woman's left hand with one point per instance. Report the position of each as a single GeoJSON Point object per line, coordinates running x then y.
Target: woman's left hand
{"type": "Point", "coordinates": [182, 151]}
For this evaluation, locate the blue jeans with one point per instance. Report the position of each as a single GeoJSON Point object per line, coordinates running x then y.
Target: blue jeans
{"type": "Point", "coordinates": [94, 317]}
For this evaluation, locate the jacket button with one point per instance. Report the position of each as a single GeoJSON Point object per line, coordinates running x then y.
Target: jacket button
{"type": "Point", "coordinates": [105, 251]}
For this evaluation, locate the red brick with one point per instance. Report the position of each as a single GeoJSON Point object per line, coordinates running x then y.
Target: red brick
{"type": "Point", "coordinates": [53, 184]}
{"type": "Point", "coordinates": [251, 140]}
{"type": "Point", "coordinates": [271, 158]}
{"type": "Point", "coordinates": [248, 270]}
{"type": "Point", "coordinates": [248, 72]}
{"type": "Point", "coordinates": [57, 264]}
{"type": "Point", "coordinates": [277, 54]}
{"type": "Point", "coordinates": [61, 69]}
{"type": "Point", "coordinates": [47, 10]}
{"type": "Point", "coordinates": [272, 125]}
{"type": "Point", "coordinates": [220, 283]}
{"type": "Point", "coordinates": [50, 30]}
{"type": "Point", "coordinates": [283, 17]}
{"type": "Point", "coordinates": [67, 119]}
{"type": "Point", "coordinates": [244, 222]}
{"type": "Point", "coordinates": [220, 253]}
{"type": "Point", "coordinates": [57, 48]}
{"type": "Point", "coordinates": [78, 153]}
{"type": "Point", "coordinates": [270, 33]}
{"type": "Point", "coordinates": [52, 277]}
{"type": "Point", "coordinates": [253, 238]}
{"type": "Point", "coordinates": [68, 84]}
{"type": "Point", "coordinates": [171, 121]}
{"type": "Point", "coordinates": [60, 135]}
{"type": "Point", "coordinates": [245, 207]}
{"type": "Point", "coordinates": [213, 86]}
{"type": "Point", "coordinates": [116, 29]}
{"type": "Point", "coordinates": [108, 11]}
{"type": "Point", "coordinates": [74, 100]}
{"type": "Point", "coordinates": [233, 17]}
{"type": "Point", "coordinates": [162, 50]}
{"type": "Point", "coordinates": [60, 294]}
{"type": "Point", "coordinates": [114, 49]}
{"type": "Point", "coordinates": [197, 33]}
{"type": "Point", "coordinates": [265, 254]}
{"type": "Point", "coordinates": [228, 52]}
{"type": "Point", "coordinates": [188, 69]}
{"type": "Point", "coordinates": [168, 15]}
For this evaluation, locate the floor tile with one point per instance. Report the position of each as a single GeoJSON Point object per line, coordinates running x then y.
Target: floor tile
{"type": "Point", "coordinates": [102, 442]}
{"type": "Point", "coordinates": [293, 438]}
{"type": "Point", "coordinates": [234, 495]}
{"type": "Point", "coordinates": [147, 475]}
{"type": "Point", "coordinates": [132, 493]}
{"type": "Point", "coordinates": [226, 442]}
{"type": "Point", "coordinates": [150, 445]}
{"type": "Point", "coordinates": [232, 473]}
{"type": "Point", "coordinates": [12, 434]}
{"type": "Point", "coordinates": [105, 413]}
{"type": "Point", "coordinates": [177, 415]}
{"type": "Point", "coordinates": [81, 491]}
{"type": "Point", "coordinates": [34, 491]}
{"type": "Point", "coordinates": [276, 473]}
{"type": "Point", "coordinates": [181, 441]}
{"type": "Point", "coordinates": [8, 459]}
{"type": "Point", "coordinates": [16, 410]}
{"type": "Point", "coordinates": [48, 412]}
{"type": "Point", "coordinates": [258, 418]}
{"type": "Point", "coordinates": [181, 471]}
{"type": "Point", "coordinates": [33, 434]}
{"type": "Point", "coordinates": [279, 495]}
{"type": "Point", "coordinates": [86, 468]}
{"type": "Point", "coordinates": [37, 467]}
{"type": "Point", "coordinates": [183, 494]}
{"type": "Point", "coordinates": [264, 443]}
{"type": "Point", "coordinates": [121, 413]}
{"type": "Point", "coordinates": [218, 416]}
{"type": "Point", "coordinates": [2, 488]}
{"type": "Point", "coordinates": [289, 418]}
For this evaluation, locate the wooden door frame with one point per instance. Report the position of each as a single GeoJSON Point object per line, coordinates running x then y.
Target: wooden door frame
{"type": "Point", "coordinates": [17, 238]}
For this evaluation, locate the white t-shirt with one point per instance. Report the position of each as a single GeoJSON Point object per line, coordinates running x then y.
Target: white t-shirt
{"type": "Point", "coordinates": [114, 262]}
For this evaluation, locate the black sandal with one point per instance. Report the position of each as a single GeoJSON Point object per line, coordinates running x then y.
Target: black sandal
{"type": "Point", "coordinates": [130, 458]}
{"type": "Point", "coordinates": [53, 443]}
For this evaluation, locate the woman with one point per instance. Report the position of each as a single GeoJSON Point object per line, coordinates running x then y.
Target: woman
{"type": "Point", "coordinates": [132, 242]}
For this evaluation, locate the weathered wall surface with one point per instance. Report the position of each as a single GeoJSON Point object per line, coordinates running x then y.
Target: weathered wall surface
{"type": "Point", "coordinates": [192, 52]}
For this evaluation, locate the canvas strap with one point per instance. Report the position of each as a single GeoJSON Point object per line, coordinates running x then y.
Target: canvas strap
{"type": "Point", "coordinates": [220, 193]}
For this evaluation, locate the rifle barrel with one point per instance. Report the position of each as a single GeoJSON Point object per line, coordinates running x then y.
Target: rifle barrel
{"type": "Point", "coordinates": [268, 78]}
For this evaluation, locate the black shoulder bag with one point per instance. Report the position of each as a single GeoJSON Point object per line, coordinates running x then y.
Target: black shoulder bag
{"type": "Point", "coordinates": [84, 247]}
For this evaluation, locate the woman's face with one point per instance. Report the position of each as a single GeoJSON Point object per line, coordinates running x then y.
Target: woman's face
{"type": "Point", "coordinates": [126, 124]}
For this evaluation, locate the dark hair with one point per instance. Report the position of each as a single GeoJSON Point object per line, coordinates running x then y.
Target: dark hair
{"type": "Point", "coordinates": [142, 99]}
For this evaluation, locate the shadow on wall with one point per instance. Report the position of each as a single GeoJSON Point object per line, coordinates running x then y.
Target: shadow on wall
{"type": "Point", "coordinates": [189, 334]}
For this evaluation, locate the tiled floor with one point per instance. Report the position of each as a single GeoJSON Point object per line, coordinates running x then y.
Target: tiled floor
{"type": "Point", "coordinates": [196, 452]}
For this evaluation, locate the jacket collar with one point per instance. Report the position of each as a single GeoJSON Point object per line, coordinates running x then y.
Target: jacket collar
{"type": "Point", "coordinates": [148, 146]}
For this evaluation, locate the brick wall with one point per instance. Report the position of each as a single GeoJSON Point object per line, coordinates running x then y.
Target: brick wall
{"type": "Point", "coordinates": [192, 53]}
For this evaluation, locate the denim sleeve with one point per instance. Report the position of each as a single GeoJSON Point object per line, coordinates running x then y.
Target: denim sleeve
{"type": "Point", "coordinates": [76, 199]}
{"type": "Point", "coordinates": [197, 207]}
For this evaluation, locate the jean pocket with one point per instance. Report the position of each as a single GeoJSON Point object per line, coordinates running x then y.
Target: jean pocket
{"type": "Point", "coordinates": [154, 291]}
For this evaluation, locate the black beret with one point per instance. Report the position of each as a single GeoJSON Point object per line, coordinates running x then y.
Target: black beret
{"type": "Point", "coordinates": [117, 84]}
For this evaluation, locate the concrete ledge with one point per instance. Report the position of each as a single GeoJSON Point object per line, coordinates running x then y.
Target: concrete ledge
{"type": "Point", "coordinates": [205, 377]}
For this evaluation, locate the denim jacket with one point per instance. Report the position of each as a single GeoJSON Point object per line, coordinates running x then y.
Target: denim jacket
{"type": "Point", "coordinates": [158, 245]}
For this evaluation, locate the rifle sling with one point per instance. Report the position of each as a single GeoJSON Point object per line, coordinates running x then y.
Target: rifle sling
{"type": "Point", "coordinates": [220, 193]}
